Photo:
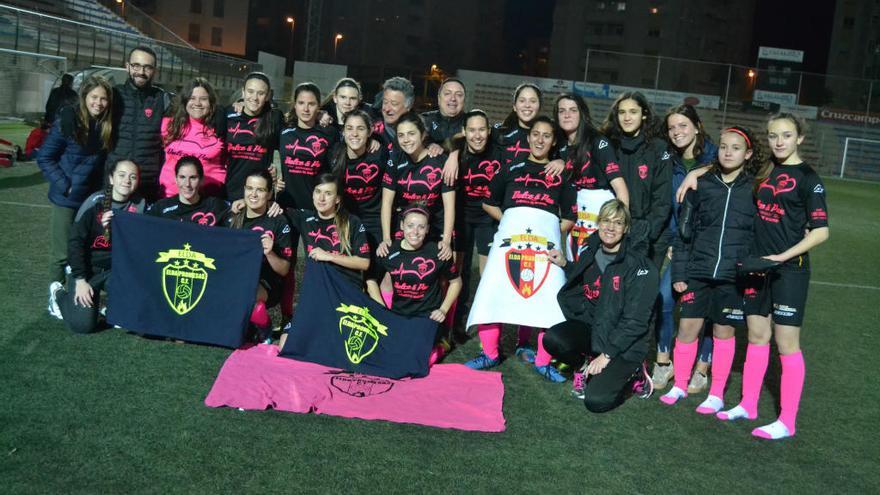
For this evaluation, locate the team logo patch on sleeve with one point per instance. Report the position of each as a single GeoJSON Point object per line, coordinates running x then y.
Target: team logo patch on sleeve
{"type": "Point", "coordinates": [184, 277]}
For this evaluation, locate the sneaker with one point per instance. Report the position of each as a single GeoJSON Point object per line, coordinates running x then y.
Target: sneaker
{"type": "Point", "coordinates": [525, 354]}
{"type": "Point", "coordinates": [578, 383]}
{"type": "Point", "coordinates": [662, 374]}
{"type": "Point", "coordinates": [550, 373]}
{"type": "Point", "coordinates": [53, 308]}
{"type": "Point", "coordinates": [482, 362]}
{"type": "Point", "coordinates": [698, 383]}
{"type": "Point", "coordinates": [642, 386]}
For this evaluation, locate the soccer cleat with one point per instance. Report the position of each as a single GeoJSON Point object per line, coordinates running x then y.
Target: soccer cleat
{"type": "Point", "coordinates": [578, 384]}
{"type": "Point", "coordinates": [53, 308]}
{"type": "Point", "coordinates": [642, 386]}
{"type": "Point", "coordinates": [774, 431]}
{"type": "Point", "coordinates": [482, 362]}
{"type": "Point", "coordinates": [662, 374]}
{"type": "Point", "coordinates": [550, 373]}
{"type": "Point", "coordinates": [698, 383]}
{"type": "Point", "coordinates": [525, 354]}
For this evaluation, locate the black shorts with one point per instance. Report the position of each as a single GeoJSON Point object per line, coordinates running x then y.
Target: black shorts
{"type": "Point", "coordinates": [721, 302]}
{"type": "Point", "coordinates": [470, 234]}
{"type": "Point", "coordinates": [274, 288]}
{"type": "Point", "coordinates": [781, 294]}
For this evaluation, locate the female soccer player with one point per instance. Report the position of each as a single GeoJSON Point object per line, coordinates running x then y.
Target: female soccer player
{"type": "Point", "coordinates": [192, 131]}
{"type": "Point", "coordinates": [607, 302]}
{"type": "Point", "coordinates": [691, 147]}
{"type": "Point", "coordinates": [417, 179]}
{"type": "Point", "coordinates": [526, 184]}
{"type": "Point", "coordinates": [645, 165]}
{"type": "Point", "coordinates": [345, 98]}
{"type": "Point", "coordinates": [72, 159]}
{"type": "Point", "coordinates": [251, 134]}
{"type": "Point", "coordinates": [190, 205]}
{"type": "Point", "coordinates": [361, 172]}
{"type": "Point", "coordinates": [89, 249]}
{"type": "Point", "coordinates": [275, 238]}
{"type": "Point", "coordinates": [418, 274]}
{"type": "Point", "coordinates": [513, 133]}
{"type": "Point", "coordinates": [590, 158]}
{"type": "Point", "coordinates": [716, 233]}
{"type": "Point", "coordinates": [792, 219]}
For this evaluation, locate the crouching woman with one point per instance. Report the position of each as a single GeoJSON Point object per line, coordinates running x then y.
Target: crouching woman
{"type": "Point", "coordinates": [607, 301]}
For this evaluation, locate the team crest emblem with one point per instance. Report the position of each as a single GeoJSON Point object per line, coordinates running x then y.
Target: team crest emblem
{"type": "Point", "coordinates": [361, 330]}
{"type": "Point", "coordinates": [527, 262]}
{"type": "Point", "coordinates": [184, 277]}
{"type": "Point", "coordinates": [643, 171]}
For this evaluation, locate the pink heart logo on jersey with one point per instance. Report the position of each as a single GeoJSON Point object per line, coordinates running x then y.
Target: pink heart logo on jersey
{"type": "Point", "coordinates": [366, 171]}
{"type": "Point", "coordinates": [257, 228]}
{"type": "Point", "coordinates": [552, 181]}
{"type": "Point", "coordinates": [204, 218]}
{"type": "Point", "coordinates": [100, 242]}
{"type": "Point", "coordinates": [424, 266]}
{"type": "Point", "coordinates": [148, 112]}
{"type": "Point", "coordinates": [491, 167]}
{"type": "Point", "coordinates": [433, 175]}
{"type": "Point", "coordinates": [784, 183]}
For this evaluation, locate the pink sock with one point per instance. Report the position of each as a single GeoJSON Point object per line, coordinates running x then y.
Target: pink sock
{"type": "Point", "coordinates": [722, 360]}
{"type": "Point", "coordinates": [387, 297]}
{"type": "Point", "coordinates": [436, 353]}
{"type": "Point", "coordinates": [542, 358]}
{"type": "Point", "coordinates": [790, 388]}
{"type": "Point", "coordinates": [753, 377]}
{"type": "Point", "coordinates": [523, 336]}
{"type": "Point", "coordinates": [288, 290]}
{"type": "Point", "coordinates": [259, 315]}
{"type": "Point", "coordinates": [683, 357]}
{"type": "Point", "coordinates": [490, 336]}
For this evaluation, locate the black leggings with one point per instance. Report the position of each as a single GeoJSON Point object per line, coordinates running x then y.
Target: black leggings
{"type": "Point", "coordinates": [80, 319]}
{"type": "Point", "coordinates": [569, 342]}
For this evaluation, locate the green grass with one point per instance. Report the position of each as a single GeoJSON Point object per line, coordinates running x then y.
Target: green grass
{"type": "Point", "coordinates": [111, 412]}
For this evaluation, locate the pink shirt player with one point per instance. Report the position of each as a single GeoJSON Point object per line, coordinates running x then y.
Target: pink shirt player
{"type": "Point", "coordinates": [201, 142]}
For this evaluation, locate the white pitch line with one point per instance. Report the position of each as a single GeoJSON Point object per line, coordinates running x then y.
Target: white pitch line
{"type": "Point", "coordinates": [16, 203]}
{"type": "Point", "coordinates": [849, 286]}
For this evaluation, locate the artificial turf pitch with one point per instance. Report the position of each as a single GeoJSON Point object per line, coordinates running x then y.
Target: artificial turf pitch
{"type": "Point", "coordinates": [114, 413]}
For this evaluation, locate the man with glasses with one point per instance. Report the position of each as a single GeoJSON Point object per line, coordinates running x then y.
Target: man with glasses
{"type": "Point", "coordinates": [138, 108]}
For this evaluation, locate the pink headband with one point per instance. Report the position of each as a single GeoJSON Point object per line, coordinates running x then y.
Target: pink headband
{"type": "Point", "coordinates": [741, 133]}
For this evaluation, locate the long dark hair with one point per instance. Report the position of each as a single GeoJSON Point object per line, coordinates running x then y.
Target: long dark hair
{"type": "Point", "coordinates": [264, 131]}
{"type": "Point", "coordinates": [691, 113]}
{"type": "Point", "coordinates": [649, 127]}
{"type": "Point", "coordinates": [512, 121]}
{"type": "Point", "coordinates": [341, 218]}
{"type": "Point", "coordinates": [179, 124]}
{"type": "Point", "coordinates": [339, 157]}
{"type": "Point", "coordinates": [586, 131]}
{"type": "Point", "coordinates": [460, 143]}
{"type": "Point", "coordinates": [413, 118]}
{"type": "Point", "coordinates": [238, 218]}
{"type": "Point", "coordinates": [107, 201]}
{"type": "Point", "coordinates": [104, 122]}
{"type": "Point", "coordinates": [292, 119]}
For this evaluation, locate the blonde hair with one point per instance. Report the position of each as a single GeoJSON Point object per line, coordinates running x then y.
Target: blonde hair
{"type": "Point", "coordinates": [615, 208]}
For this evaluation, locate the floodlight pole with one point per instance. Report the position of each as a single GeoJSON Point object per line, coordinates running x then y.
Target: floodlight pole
{"type": "Point", "coordinates": [587, 64]}
{"type": "Point", "coordinates": [726, 96]}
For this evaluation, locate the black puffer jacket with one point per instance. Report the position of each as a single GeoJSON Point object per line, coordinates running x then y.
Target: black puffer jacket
{"type": "Point", "coordinates": [137, 121]}
{"type": "Point", "coordinates": [440, 127]}
{"type": "Point", "coordinates": [715, 227]}
{"type": "Point", "coordinates": [629, 288]}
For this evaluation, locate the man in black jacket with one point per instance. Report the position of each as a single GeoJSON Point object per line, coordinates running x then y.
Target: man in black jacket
{"type": "Point", "coordinates": [61, 96]}
{"type": "Point", "coordinates": [138, 108]}
{"type": "Point", "coordinates": [448, 119]}
{"type": "Point", "coordinates": [607, 301]}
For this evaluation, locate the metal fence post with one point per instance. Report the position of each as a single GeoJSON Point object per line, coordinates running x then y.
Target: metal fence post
{"type": "Point", "coordinates": [726, 96]}
{"type": "Point", "coordinates": [657, 73]}
{"type": "Point", "coordinates": [587, 63]}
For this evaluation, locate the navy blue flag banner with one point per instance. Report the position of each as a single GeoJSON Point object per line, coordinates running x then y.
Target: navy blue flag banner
{"type": "Point", "coordinates": [338, 325]}
{"type": "Point", "coordinates": [182, 280]}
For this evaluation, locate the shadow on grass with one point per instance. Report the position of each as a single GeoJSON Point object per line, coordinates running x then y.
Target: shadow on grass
{"type": "Point", "coordinates": [33, 179]}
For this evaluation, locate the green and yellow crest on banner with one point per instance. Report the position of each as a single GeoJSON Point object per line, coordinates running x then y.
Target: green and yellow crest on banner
{"type": "Point", "coordinates": [184, 277]}
{"type": "Point", "coordinates": [362, 331]}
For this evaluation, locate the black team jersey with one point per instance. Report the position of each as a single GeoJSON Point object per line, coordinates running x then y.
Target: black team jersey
{"type": "Point", "coordinates": [279, 230]}
{"type": "Point", "coordinates": [599, 169]}
{"type": "Point", "coordinates": [415, 277]}
{"type": "Point", "coordinates": [514, 144]}
{"type": "Point", "coordinates": [317, 232]}
{"type": "Point", "coordinates": [475, 174]}
{"type": "Point", "coordinates": [790, 200]}
{"type": "Point", "coordinates": [526, 184]}
{"type": "Point", "coordinates": [422, 182]}
{"type": "Point", "coordinates": [305, 154]}
{"type": "Point", "coordinates": [243, 154]}
{"type": "Point", "coordinates": [87, 246]}
{"type": "Point", "coordinates": [208, 211]}
{"type": "Point", "coordinates": [363, 187]}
